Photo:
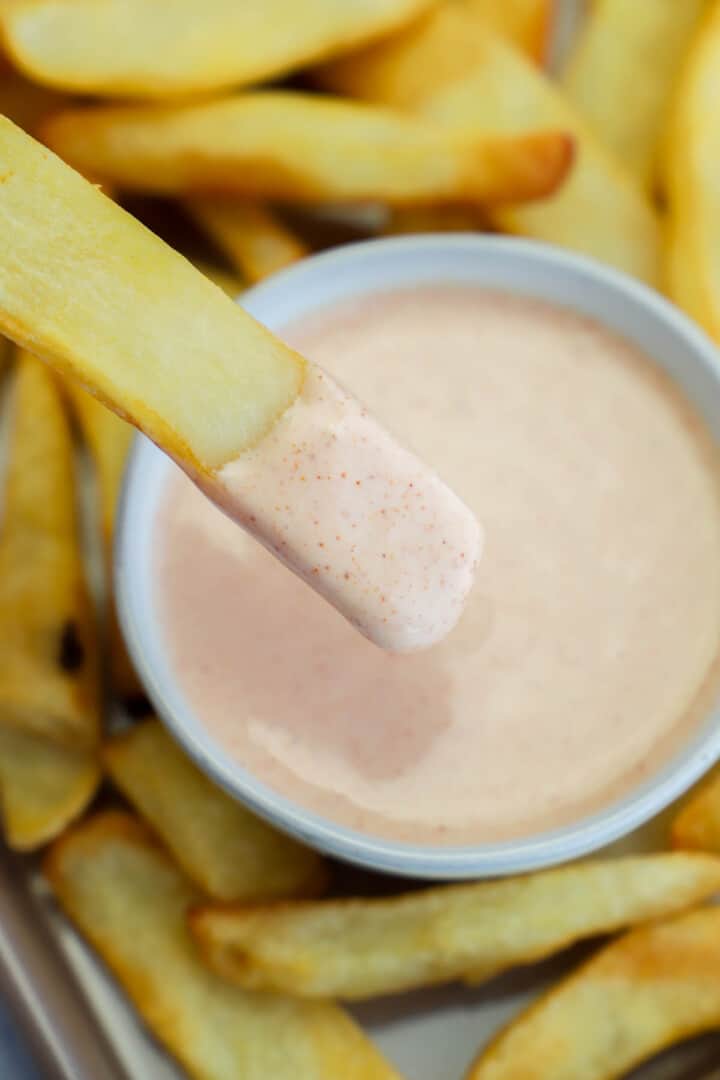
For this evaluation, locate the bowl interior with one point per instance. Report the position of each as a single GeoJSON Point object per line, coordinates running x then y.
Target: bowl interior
{"type": "Point", "coordinates": [625, 306]}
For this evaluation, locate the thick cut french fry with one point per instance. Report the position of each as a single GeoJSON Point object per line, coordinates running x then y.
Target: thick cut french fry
{"type": "Point", "coordinates": [454, 69]}
{"type": "Point", "coordinates": [696, 826]}
{"type": "Point", "coordinates": [132, 48]}
{"type": "Point", "coordinates": [129, 900]}
{"type": "Point", "coordinates": [622, 72]}
{"type": "Point", "coordinates": [91, 291]}
{"type": "Point", "coordinates": [692, 181]}
{"type": "Point", "coordinates": [48, 660]}
{"type": "Point", "coordinates": [254, 240]}
{"type": "Point", "coordinates": [108, 439]}
{"type": "Point", "coordinates": [654, 987]}
{"type": "Point", "coordinates": [527, 23]}
{"type": "Point", "coordinates": [305, 148]}
{"type": "Point", "coordinates": [226, 850]}
{"type": "Point", "coordinates": [43, 787]}
{"type": "Point", "coordinates": [190, 368]}
{"type": "Point", "coordinates": [358, 948]}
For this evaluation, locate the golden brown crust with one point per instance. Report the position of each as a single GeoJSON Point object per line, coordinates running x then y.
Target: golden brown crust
{"type": "Point", "coordinates": [646, 991]}
{"type": "Point", "coordinates": [225, 849]}
{"type": "Point", "coordinates": [355, 949]}
{"type": "Point", "coordinates": [125, 895]}
{"type": "Point", "coordinates": [273, 145]}
{"type": "Point", "coordinates": [49, 664]}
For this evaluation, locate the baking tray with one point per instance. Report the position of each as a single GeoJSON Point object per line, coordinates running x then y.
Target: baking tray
{"type": "Point", "coordinates": [80, 1026]}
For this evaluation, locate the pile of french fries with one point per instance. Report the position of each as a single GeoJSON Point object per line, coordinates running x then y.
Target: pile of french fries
{"type": "Point", "coordinates": [261, 120]}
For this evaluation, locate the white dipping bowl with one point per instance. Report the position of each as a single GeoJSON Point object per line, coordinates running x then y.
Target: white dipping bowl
{"type": "Point", "coordinates": [582, 285]}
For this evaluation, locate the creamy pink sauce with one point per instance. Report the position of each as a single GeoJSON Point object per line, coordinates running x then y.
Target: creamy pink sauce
{"type": "Point", "coordinates": [591, 637]}
{"type": "Point", "coordinates": [357, 516]}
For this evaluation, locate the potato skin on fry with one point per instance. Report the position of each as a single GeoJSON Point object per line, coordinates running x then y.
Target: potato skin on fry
{"type": "Point", "coordinates": [305, 148]}
{"type": "Point", "coordinates": [453, 69]}
{"type": "Point", "coordinates": [653, 987]}
{"type": "Point", "coordinates": [224, 848]}
{"type": "Point", "coordinates": [355, 949]}
{"type": "Point", "coordinates": [49, 678]}
{"type": "Point", "coordinates": [124, 894]}
{"type": "Point", "coordinates": [133, 48]}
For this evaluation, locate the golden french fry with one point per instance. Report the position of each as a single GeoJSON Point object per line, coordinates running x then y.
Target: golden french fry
{"type": "Point", "coordinates": [274, 145]}
{"type": "Point", "coordinates": [190, 367]}
{"type": "Point", "coordinates": [126, 896]}
{"type": "Point", "coordinates": [453, 69]}
{"type": "Point", "coordinates": [692, 176]}
{"type": "Point", "coordinates": [225, 849]}
{"type": "Point", "coordinates": [696, 826]}
{"type": "Point", "coordinates": [48, 660]}
{"type": "Point", "coordinates": [654, 987]}
{"type": "Point", "coordinates": [253, 238]}
{"type": "Point", "coordinates": [108, 439]}
{"type": "Point", "coordinates": [355, 949]}
{"type": "Point", "coordinates": [87, 288]}
{"type": "Point", "coordinates": [527, 23]}
{"type": "Point", "coordinates": [43, 787]}
{"type": "Point", "coordinates": [622, 72]}
{"type": "Point", "coordinates": [130, 48]}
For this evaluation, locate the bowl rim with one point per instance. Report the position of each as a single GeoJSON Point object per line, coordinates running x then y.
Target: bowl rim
{"type": "Point", "coordinates": [544, 849]}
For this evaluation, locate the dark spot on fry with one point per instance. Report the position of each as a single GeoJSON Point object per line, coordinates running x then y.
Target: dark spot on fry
{"type": "Point", "coordinates": [138, 705]}
{"type": "Point", "coordinates": [72, 650]}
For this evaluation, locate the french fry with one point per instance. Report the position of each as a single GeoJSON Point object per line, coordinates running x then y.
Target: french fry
{"type": "Point", "coordinates": [254, 240]}
{"type": "Point", "coordinates": [355, 949]}
{"type": "Point", "coordinates": [190, 368]}
{"type": "Point", "coordinates": [454, 70]}
{"type": "Point", "coordinates": [87, 288]}
{"type": "Point", "coordinates": [129, 900]}
{"type": "Point", "coordinates": [226, 850]}
{"type": "Point", "coordinates": [527, 23]}
{"type": "Point", "coordinates": [48, 661]}
{"type": "Point", "coordinates": [622, 72]}
{"type": "Point", "coordinates": [654, 987]}
{"type": "Point", "coordinates": [43, 787]}
{"type": "Point", "coordinates": [129, 48]}
{"type": "Point", "coordinates": [692, 175]}
{"type": "Point", "coordinates": [108, 439]}
{"type": "Point", "coordinates": [274, 145]}
{"type": "Point", "coordinates": [696, 826]}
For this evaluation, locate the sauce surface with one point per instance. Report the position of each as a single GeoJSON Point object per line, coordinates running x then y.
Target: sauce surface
{"type": "Point", "coordinates": [591, 637]}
